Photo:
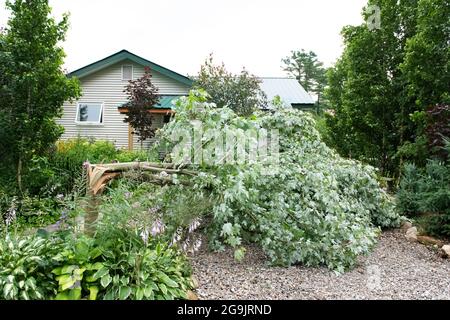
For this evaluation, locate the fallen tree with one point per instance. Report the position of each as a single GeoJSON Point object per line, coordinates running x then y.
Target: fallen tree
{"type": "Point", "coordinates": [311, 206]}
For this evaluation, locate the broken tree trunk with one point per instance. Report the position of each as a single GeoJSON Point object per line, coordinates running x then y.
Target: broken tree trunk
{"type": "Point", "coordinates": [100, 174]}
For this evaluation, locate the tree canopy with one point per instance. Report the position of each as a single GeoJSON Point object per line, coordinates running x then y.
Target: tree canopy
{"type": "Point", "coordinates": [240, 92]}
{"type": "Point", "coordinates": [33, 85]}
{"type": "Point", "coordinates": [384, 76]}
{"type": "Point", "coordinates": [308, 70]}
{"type": "Point", "coordinates": [142, 97]}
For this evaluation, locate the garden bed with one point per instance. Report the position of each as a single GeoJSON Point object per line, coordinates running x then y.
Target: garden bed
{"type": "Point", "coordinates": [408, 271]}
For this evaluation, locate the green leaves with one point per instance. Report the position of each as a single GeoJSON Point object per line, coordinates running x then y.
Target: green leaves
{"type": "Point", "coordinates": [101, 273]}
{"type": "Point", "coordinates": [240, 92]}
{"type": "Point", "coordinates": [166, 280]}
{"type": "Point", "coordinates": [24, 267]}
{"type": "Point", "coordinates": [93, 291]}
{"type": "Point", "coordinates": [33, 85]}
{"type": "Point", "coordinates": [313, 207]}
{"type": "Point", "coordinates": [227, 229]}
{"type": "Point", "coordinates": [239, 254]}
{"type": "Point", "coordinates": [106, 280]}
{"type": "Point", "coordinates": [124, 293]}
{"type": "Point", "coordinates": [307, 69]}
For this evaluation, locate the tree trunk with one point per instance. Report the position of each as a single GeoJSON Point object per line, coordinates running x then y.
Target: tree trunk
{"type": "Point", "coordinates": [90, 220]}
{"type": "Point", "coordinates": [19, 174]}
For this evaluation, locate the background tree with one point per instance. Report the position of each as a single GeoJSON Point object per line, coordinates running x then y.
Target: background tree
{"type": "Point", "coordinates": [142, 97]}
{"type": "Point", "coordinates": [368, 89]}
{"type": "Point", "coordinates": [308, 70]}
{"type": "Point", "coordinates": [427, 55]}
{"type": "Point", "coordinates": [241, 92]}
{"type": "Point", "coordinates": [33, 86]}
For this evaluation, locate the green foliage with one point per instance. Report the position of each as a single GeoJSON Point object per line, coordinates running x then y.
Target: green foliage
{"type": "Point", "coordinates": [314, 208]}
{"type": "Point", "coordinates": [118, 263]}
{"type": "Point", "coordinates": [59, 177]}
{"type": "Point", "coordinates": [426, 63]}
{"type": "Point", "coordinates": [438, 129]}
{"type": "Point", "coordinates": [384, 76]}
{"type": "Point", "coordinates": [426, 191]}
{"type": "Point", "coordinates": [123, 261]}
{"type": "Point", "coordinates": [308, 70]}
{"type": "Point", "coordinates": [25, 264]}
{"type": "Point", "coordinates": [65, 165]}
{"type": "Point", "coordinates": [33, 85]}
{"type": "Point", "coordinates": [140, 272]}
{"type": "Point", "coordinates": [79, 275]}
{"type": "Point", "coordinates": [239, 92]}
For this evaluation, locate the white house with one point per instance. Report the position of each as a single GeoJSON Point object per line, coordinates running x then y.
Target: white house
{"type": "Point", "coordinates": [99, 113]}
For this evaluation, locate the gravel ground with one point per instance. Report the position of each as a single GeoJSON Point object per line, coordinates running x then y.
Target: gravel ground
{"type": "Point", "coordinates": [407, 271]}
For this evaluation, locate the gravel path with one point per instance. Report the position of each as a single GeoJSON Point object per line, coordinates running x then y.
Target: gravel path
{"type": "Point", "coordinates": [408, 271]}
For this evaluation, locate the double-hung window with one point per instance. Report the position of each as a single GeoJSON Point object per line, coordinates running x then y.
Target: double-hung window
{"type": "Point", "coordinates": [89, 113]}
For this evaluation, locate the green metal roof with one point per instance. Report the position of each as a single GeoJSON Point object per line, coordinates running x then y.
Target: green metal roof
{"type": "Point", "coordinates": [165, 102]}
{"type": "Point", "coordinates": [126, 55]}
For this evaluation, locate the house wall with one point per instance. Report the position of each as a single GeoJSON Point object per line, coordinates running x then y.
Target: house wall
{"type": "Point", "coordinates": [106, 86]}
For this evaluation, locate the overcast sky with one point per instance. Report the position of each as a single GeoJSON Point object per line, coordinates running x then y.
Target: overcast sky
{"type": "Point", "coordinates": [179, 34]}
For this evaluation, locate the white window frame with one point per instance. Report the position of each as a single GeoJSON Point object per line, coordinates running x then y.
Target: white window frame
{"type": "Point", "coordinates": [132, 72]}
{"type": "Point", "coordinates": [101, 119]}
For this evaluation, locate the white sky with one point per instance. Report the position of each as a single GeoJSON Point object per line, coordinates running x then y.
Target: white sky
{"type": "Point", "coordinates": [179, 34]}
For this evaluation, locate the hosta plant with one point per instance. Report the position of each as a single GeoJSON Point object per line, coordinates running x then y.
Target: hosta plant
{"type": "Point", "coordinates": [79, 275]}
{"type": "Point", "coordinates": [148, 272]}
{"type": "Point", "coordinates": [25, 265]}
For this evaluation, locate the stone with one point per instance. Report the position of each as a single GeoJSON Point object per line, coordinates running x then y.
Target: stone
{"type": "Point", "coordinates": [429, 241]}
{"type": "Point", "coordinates": [191, 296]}
{"type": "Point", "coordinates": [446, 250]}
{"type": "Point", "coordinates": [406, 225]}
{"type": "Point", "coordinates": [411, 234]}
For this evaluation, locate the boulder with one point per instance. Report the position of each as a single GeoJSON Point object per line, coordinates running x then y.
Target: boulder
{"type": "Point", "coordinates": [411, 234]}
{"type": "Point", "coordinates": [406, 225]}
{"type": "Point", "coordinates": [430, 241]}
{"type": "Point", "coordinates": [446, 250]}
{"type": "Point", "coordinates": [191, 295]}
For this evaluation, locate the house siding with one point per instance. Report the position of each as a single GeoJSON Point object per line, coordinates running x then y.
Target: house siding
{"type": "Point", "coordinates": [106, 86]}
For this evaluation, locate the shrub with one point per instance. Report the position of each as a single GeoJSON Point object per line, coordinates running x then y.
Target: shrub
{"type": "Point", "coordinates": [25, 264]}
{"type": "Point", "coordinates": [137, 271]}
{"type": "Point", "coordinates": [59, 171]}
{"type": "Point", "coordinates": [78, 271]}
{"type": "Point", "coordinates": [426, 190]}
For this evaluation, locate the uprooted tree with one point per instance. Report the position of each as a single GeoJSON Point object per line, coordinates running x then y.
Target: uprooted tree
{"type": "Point", "coordinates": [311, 206]}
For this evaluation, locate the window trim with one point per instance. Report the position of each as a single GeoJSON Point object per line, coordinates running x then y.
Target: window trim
{"type": "Point", "coordinates": [132, 72]}
{"type": "Point", "coordinates": [101, 119]}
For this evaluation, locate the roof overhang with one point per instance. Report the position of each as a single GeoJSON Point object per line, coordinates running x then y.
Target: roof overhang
{"type": "Point", "coordinates": [152, 111]}
{"type": "Point", "coordinates": [164, 105]}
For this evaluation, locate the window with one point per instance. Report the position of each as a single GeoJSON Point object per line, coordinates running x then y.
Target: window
{"type": "Point", "coordinates": [127, 73]}
{"type": "Point", "coordinates": [90, 113]}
